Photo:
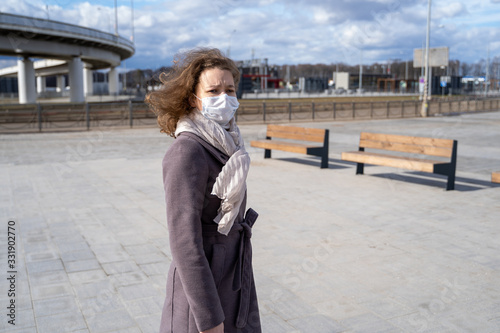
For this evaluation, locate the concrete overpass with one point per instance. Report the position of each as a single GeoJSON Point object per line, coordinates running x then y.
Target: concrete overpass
{"type": "Point", "coordinates": [82, 49]}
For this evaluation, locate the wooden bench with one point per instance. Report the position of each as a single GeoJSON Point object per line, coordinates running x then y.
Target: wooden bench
{"type": "Point", "coordinates": [495, 177]}
{"type": "Point", "coordinates": [295, 134]}
{"type": "Point", "coordinates": [407, 144]}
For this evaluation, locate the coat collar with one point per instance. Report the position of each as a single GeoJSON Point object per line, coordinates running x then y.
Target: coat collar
{"type": "Point", "coordinates": [220, 156]}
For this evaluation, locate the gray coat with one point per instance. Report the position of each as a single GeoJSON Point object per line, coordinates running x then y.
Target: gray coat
{"type": "Point", "coordinates": [210, 278]}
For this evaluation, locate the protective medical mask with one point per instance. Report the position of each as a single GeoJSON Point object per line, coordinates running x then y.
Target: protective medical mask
{"type": "Point", "coordinates": [220, 108]}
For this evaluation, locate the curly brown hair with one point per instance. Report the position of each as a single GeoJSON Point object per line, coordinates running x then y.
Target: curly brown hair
{"type": "Point", "coordinates": [172, 100]}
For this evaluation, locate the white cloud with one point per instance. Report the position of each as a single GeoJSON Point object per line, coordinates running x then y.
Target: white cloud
{"type": "Point", "coordinates": [284, 31]}
{"type": "Point", "coordinates": [449, 10]}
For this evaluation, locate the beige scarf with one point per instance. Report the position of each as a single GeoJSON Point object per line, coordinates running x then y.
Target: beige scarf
{"type": "Point", "coordinates": [230, 185]}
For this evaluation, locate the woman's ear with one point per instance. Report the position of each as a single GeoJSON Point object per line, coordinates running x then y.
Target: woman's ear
{"type": "Point", "coordinates": [192, 101]}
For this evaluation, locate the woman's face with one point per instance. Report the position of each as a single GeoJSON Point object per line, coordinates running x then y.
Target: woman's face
{"type": "Point", "coordinates": [213, 82]}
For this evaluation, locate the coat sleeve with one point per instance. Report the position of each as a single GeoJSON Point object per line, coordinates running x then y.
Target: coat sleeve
{"type": "Point", "coordinates": [185, 177]}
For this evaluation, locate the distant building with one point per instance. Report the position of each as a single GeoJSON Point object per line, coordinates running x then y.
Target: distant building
{"type": "Point", "coordinates": [257, 76]}
{"type": "Point", "coordinates": [8, 85]}
{"type": "Point", "coordinates": [473, 83]}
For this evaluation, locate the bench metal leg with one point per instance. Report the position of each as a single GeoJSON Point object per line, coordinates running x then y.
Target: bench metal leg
{"type": "Point", "coordinates": [324, 152]}
{"type": "Point", "coordinates": [450, 185]}
{"type": "Point", "coordinates": [324, 161]}
{"type": "Point", "coordinates": [360, 168]}
{"type": "Point", "coordinates": [267, 153]}
{"type": "Point", "coordinates": [453, 168]}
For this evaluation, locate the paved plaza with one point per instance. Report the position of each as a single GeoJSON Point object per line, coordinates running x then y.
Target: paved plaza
{"type": "Point", "coordinates": [388, 251]}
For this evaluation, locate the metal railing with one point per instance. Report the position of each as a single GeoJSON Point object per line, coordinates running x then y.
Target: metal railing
{"type": "Point", "coordinates": [36, 25]}
{"type": "Point", "coordinates": [68, 116]}
{"type": "Point", "coordinates": [64, 116]}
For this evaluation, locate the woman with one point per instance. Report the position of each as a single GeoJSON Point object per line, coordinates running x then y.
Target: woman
{"type": "Point", "coordinates": [210, 286]}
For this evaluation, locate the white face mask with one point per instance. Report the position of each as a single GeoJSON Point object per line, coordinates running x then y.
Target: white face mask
{"type": "Point", "coordinates": [220, 108]}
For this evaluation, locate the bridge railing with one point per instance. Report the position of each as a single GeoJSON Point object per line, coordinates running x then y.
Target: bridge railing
{"type": "Point", "coordinates": [29, 25]}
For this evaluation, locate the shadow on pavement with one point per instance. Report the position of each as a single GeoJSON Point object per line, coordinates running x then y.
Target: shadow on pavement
{"type": "Point", "coordinates": [313, 161]}
{"type": "Point", "coordinates": [462, 184]}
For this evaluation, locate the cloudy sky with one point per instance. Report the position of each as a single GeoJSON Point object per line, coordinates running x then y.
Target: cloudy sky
{"type": "Point", "coordinates": [284, 31]}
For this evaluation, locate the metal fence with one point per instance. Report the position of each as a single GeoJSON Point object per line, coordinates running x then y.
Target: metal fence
{"type": "Point", "coordinates": [317, 111]}
{"type": "Point", "coordinates": [68, 116]}
{"type": "Point", "coordinates": [63, 116]}
{"type": "Point", "coordinates": [297, 111]}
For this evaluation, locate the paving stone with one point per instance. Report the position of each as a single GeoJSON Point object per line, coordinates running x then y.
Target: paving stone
{"type": "Point", "coordinates": [51, 291]}
{"type": "Point", "coordinates": [23, 300]}
{"type": "Point", "coordinates": [93, 289]}
{"type": "Point", "coordinates": [120, 267]}
{"type": "Point", "coordinates": [109, 321]}
{"type": "Point", "coordinates": [369, 323]}
{"type": "Point", "coordinates": [157, 257]}
{"type": "Point", "coordinates": [47, 278]}
{"type": "Point", "coordinates": [149, 324]}
{"type": "Point", "coordinates": [137, 291]}
{"type": "Point", "coordinates": [61, 323]}
{"type": "Point", "coordinates": [157, 268]}
{"type": "Point", "coordinates": [143, 307]}
{"type": "Point", "coordinates": [289, 310]}
{"type": "Point", "coordinates": [316, 323]}
{"type": "Point", "coordinates": [24, 321]}
{"type": "Point", "coordinates": [86, 276]}
{"type": "Point", "coordinates": [106, 301]}
{"type": "Point", "coordinates": [66, 246]}
{"type": "Point", "coordinates": [46, 256]}
{"type": "Point", "coordinates": [53, 306]}
{"type": "Point", "coordinates": [141, 249]}
{"type": "Point", "coordinates": [82, 265]}
{"type": "Point", "coordinates": [30, 329]}
{"type": "Point", "coordinates": [275, 324]}
{"type": "Point", "coordinates": [44, 266]}
{"type": "Point", "coordinates": [128, 330]}
{"type": "Point", "coordinates": [77, 255]}
{"type": "Point", "coordinates": [109, 254]}
{"type": "Point", "coordinates": [127, 279]}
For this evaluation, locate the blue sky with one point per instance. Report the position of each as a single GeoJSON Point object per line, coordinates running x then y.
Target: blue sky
{"type": "Point", "coordinates": [284, 31]}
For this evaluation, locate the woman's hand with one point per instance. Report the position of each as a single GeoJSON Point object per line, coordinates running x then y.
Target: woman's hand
{"type": "Point", "coordinates": [216, 329]}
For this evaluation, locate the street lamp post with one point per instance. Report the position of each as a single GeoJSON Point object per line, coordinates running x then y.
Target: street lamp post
{"type": "Point", "coordinates": [229, 47]}
{"type": "Point", "coordinates": [132, 20]}
{"type": "Point", "coordinates": [360, 90]}
{"type": "Point", "coordinates": [116, 19]}
{"type": "Point", "coordinates": [425, 106]}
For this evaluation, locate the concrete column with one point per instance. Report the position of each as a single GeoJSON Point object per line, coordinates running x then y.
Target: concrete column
{"type": "Point", "coordinates": [88, 81]}
{"type": "Point", "coordinates": [76, 94]}
{"type": "Point", "coordinates": [26, 81]}
{"type": "Point", "coordinates": [41, 85]}
{"type": "Point", "coordinates": [61, 83]}
{"type": "Point", "coordinates": [113, 81]}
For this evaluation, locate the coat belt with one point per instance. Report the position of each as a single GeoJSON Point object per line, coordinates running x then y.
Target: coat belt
{"type": "Point", "coordinates": [243, 274]}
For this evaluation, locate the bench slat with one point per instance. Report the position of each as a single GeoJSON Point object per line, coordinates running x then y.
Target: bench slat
{"type": "Point", "coordinates": [281, 145]}
{"type": "Point", "coordinates": [416, 164]}
{"type": "Point", "coordinates": [416, 140]}
{"type": "Point", "coordinates": [407, 148]}
{"type": "Point", "coordinates": [495, 177]}
{"type": "Point", "coordinates": [409, 144]}
{"type": "Point", "coordinates": [296, 133]}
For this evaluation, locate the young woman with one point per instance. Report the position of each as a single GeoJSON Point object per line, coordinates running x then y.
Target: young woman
{"type": "Point", "coordinates": [210, 285]}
